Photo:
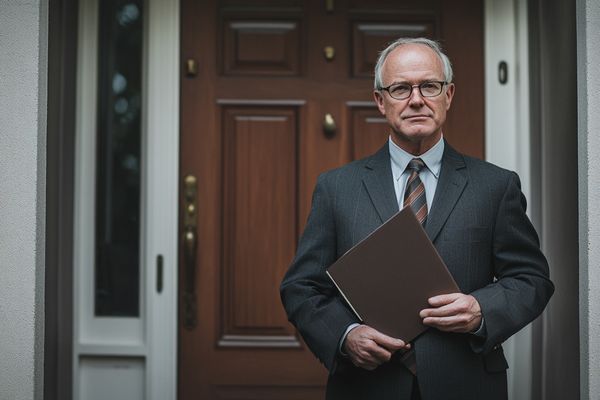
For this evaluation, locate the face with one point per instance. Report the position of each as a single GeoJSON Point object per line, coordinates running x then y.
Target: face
{"type": "Point", "coordinates": [417, 121]}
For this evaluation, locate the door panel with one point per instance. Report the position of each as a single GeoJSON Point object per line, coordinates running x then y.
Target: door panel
{"type": "Point", "coordinates": [368, 130]}
{"type": "Point", "coordinates": [252, 132]}
{"type": "Point", "coordinates": [260, 146]}
{"type": "Point", "coordinates": [261, 47]}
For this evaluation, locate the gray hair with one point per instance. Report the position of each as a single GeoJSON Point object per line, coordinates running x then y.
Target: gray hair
{"type": "Point", "coordinates": [435, 46]}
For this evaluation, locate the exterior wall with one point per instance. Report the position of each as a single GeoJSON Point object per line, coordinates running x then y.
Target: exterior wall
{"type": "Point", "coordinates": [588, 74]}
{"type": "Point", "coordinates": [23, 71]}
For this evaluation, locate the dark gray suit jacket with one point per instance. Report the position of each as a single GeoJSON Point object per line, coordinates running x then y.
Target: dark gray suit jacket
{"type": "Point", "coordinates": [478, 224]}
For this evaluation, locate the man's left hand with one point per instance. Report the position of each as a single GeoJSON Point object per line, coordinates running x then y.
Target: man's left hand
{"type": "Point", "coordinates": [455, 312]}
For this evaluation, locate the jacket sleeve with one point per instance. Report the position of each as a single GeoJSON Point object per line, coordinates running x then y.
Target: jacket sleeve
{"type": "Point", "coordinates": [523, 287]}
{"type": "Point", "coordinates": [311, 301]}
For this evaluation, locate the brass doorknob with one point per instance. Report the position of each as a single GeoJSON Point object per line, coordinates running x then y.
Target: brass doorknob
{"type": "Point", "coordinates": [329, 125]}
{"type": "Point", "coordinates": [329, 52]}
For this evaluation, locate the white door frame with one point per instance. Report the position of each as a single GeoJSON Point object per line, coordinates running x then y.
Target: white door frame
{"type": "Point", "coordinates": [507, 144]}
{"type": "Point", "coordinates": [508, 139]}
{"type": "Point", "coordinates": [162, 197]}
{"type": "Point", "coordinates": [138, 356]}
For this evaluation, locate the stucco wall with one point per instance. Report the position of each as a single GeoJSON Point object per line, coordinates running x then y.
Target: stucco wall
{"type": "Point", "coordinates": [588, 63]}
{"type": "Point", "coordinates": [23, 71]}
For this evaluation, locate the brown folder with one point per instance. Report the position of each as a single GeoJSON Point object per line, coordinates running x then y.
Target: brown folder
{"type": "Point", "coordinates": [388, 277]}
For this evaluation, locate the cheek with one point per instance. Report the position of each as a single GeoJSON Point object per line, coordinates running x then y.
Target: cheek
{"type": "Point", "coordinates": [394, 110]}
{"type": "Point", "coordinates": [440, 110]}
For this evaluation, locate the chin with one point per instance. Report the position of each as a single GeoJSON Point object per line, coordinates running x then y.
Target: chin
{"type": "Point", "coordinates": [418, 136]}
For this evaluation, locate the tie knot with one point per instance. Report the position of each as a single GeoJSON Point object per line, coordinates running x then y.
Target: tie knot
{"type": "Point", "coordinates": [416, 164]}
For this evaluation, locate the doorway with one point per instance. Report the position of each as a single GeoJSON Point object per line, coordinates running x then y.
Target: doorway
{"type": "Point", "coordinates": [272, 94]}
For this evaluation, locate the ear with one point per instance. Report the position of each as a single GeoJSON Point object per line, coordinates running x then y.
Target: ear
{"type": "Point", "coordinates": [449, 95]}
{"type": "Point", "coordinates": [378, 96]}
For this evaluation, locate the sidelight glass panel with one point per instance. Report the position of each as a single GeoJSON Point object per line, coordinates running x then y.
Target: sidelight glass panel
{"type": "Point", "coordinates": [118, 177]}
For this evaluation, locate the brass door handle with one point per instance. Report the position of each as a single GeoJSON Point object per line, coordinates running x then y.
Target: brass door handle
{"type": "Point", "coordinates": [190, 249]}
{"type": "Point", "coordinates": [329, 125]}
{"type": "Point", "coordinates": [189, 295]}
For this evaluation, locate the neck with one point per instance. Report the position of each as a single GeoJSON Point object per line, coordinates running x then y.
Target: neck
{"type": "Point", "coordinates": [418, 146]}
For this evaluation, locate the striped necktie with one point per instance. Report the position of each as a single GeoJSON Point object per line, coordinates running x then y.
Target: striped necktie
{"type": "Point", "coordinates": [414, 196]}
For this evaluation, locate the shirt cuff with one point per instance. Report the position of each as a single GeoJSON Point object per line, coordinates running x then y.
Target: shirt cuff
{"type": "Point", "coordinates": [481, 331]}
{"type": "Point", "coordinates": [341, 344]}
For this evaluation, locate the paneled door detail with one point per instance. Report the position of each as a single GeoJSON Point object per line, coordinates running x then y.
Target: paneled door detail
{"type": "Point", "coordinates": [272, 94]}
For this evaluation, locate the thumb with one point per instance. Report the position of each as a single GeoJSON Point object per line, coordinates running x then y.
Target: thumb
{"type": "Point", "coordinates": [390, 343]}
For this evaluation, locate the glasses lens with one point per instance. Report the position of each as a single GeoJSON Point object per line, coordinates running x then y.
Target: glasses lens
{"type": "Point", "coordinates": [430, 89]}
{"type": "Point", "coordinates": [400, 91]}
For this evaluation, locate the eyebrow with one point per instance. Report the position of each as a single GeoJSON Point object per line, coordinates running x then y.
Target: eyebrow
{"type": "Point", "coordinates": [410, 83]}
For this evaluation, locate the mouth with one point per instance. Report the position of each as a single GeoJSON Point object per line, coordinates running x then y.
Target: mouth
{"type": "Point", "coordinates": [414, 117]}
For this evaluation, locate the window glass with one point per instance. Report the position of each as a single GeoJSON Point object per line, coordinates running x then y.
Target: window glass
{"type": "Point", "coordinates": [118, 177]}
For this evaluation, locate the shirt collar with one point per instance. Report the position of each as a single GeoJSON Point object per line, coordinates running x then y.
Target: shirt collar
{"type": "Point", "coordinates": [400, 158]}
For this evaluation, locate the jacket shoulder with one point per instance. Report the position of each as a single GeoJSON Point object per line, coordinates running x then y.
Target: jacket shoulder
{"type": "Point", "coordinates": [486, 170]}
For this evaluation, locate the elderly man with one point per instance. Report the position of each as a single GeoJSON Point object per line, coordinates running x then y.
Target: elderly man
{"type": "Point", "coordinates": [472, 211]}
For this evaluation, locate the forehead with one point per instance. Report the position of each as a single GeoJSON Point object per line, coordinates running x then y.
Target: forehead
{"type": "Point", "coordinates": [412, 61]}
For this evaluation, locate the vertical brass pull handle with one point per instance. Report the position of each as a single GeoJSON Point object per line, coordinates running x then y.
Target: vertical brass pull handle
{"type": "Point", "coordinates": [189, 296]}
{"type": "Point", "coordinates": [190, 250]}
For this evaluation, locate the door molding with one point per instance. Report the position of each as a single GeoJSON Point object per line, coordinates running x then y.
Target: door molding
{"type": "Point", "coordinates": [162, 194]}
{"type": "Point", "coordinates": [145, 347]}
{"type": "Point", "coordinates": [58, 337]}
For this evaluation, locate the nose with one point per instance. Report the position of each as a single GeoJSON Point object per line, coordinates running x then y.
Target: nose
{"type": "Point", "coordinates": [415, 99]}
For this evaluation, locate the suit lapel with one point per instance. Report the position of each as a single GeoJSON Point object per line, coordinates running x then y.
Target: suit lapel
{"type": "Point", "coordinates": [379, 183]}
{"type": "Point", "coordinates": [452, 182]}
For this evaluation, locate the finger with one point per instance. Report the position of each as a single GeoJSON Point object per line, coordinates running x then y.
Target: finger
{"type": "Point", "coordinates": [458, 323]}
{"type": "Point", "coordinates": [373, 352]}
{"type": "Point", "coordinates": [365, 349]}
{"type": "Point", "coordinates": [442, 326]}
{"type": "Point", "coordinates": [444, 299]}
{"type": "Point", "coordinates": [390, 343]}
{"type": "Point", "coordinates": [461, 304]}
{"type": "Point", "coordinates": [443, 311]}
{"type": "Point", "coordinates": [381, 354]}
{"type": "Point", "coordinates": [366, 359]}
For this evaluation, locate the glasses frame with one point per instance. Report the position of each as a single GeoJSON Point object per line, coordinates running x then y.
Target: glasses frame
{"type": "Point", "coordinates": [387, 89]}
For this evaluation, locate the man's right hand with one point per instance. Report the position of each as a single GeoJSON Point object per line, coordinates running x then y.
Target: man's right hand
{"type": "Point", "coordinates": [368, 348]}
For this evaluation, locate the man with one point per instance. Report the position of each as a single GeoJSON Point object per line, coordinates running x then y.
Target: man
{"type": "Point", "coordinates": [472, 211]}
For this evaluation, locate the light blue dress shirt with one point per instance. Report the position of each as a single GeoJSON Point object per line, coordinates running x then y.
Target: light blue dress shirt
{"type": "Point", "coordinates": [429, 176]}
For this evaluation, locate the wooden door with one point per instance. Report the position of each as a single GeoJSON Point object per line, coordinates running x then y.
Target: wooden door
{"type": "Point", "coordinates": [252, 134]}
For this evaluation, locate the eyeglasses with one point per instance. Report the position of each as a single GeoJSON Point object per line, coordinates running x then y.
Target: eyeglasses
{"type": "Point", "coordinates": [402, 91]}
